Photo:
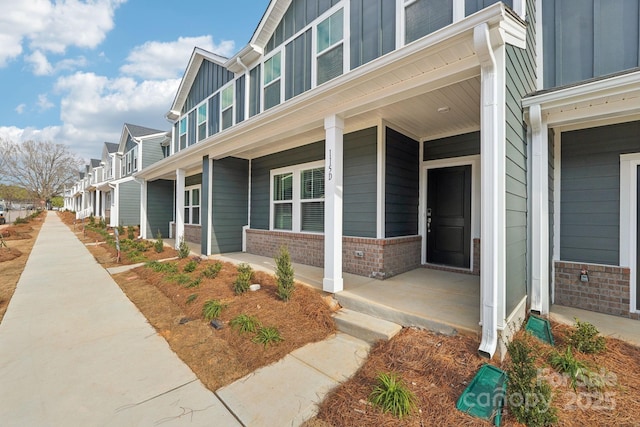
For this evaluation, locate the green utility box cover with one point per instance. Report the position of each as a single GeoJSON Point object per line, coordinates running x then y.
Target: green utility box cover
{"type": "Point", "coordinates": [540, 328]}
{"type": "Point", "coordinates": [484, 396]}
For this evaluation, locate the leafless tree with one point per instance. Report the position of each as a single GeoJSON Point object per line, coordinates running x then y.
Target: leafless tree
{"type": "Point", "coordinates": [6, 147]}
{"type": "Point", "coordinates": [42, 167]}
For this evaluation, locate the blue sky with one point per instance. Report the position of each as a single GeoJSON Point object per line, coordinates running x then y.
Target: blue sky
{"type": "Point", "coordinates": [74, 71]}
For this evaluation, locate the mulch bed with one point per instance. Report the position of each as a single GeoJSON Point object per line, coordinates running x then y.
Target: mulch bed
{"type": "Point", "coordinates": [8, 254]}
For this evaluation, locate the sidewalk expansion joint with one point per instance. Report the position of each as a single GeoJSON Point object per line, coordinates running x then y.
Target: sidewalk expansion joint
{"type": "Point", "coordinates": [133, 405]}
{"type": "Point", "coordinates": [230, 409]}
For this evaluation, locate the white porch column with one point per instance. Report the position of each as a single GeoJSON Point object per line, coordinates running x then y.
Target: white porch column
{"type": "Point", "coordinates": [492, 166]}
{"type": "Point", "coordinates": [98, 204]}
{"type": "Point", "coordinates": [539, 211]}
{"type": "Point", "coordinates": [143, 210]}
{"type": "Point", "coordinates": [180, 175]}
{"type": "Point", "coordinates": [334, 129]}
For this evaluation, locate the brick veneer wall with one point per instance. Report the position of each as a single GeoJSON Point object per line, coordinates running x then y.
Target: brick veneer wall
{"type": "Point", "coordinates": [607, 291]}
{"type": "Point", "coordinates": [192, 233]}
{"type": "Point", "coordinates": [381, 258]}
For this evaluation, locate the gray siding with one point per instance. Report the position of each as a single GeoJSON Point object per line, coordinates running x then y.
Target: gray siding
{"type": "Point", "coordinates": [239, 104]}
{"type": "Point", "coordinates": [467, 144]}
{"type": "Point", "coordinates": [160, 203]}
{"type": "Point", "coordinates": [589, 38]}
{"type": "Point", "coordinates": [373, 30]}
{"type": "Point", "coordinates": [193, 180]}
{"type": "Point", "coordinates": [521, 80]}
{"type": "Point", "coordinates": [254, 91]}
{"type": "Point", "coordinates": [129, 203]}
{"type": "Point", "coordinates": [590, 192]}
{"type": "Point", "coordinates": [129, 144]}
{"type": "Point", "coordinates": [229, 204]}
{"type": "Point", "coordinates": [214, 114]}
{"type": "Point", "coordinates": [193, 128]}
{"type": "Point", "coordinates": [209, 79]}
{"type": "Point", "coordinates": [151, 152]}
{"type": "Point", "coordinates": [297, 71]}
{"type": "Point", "coordinates": [360, 178]}
{"type": "Point", "coordinates": [260, 177]}
{"type": "Point", "coordinates": [401, 185]}
{"type": "Point", "coordinates": [472, 6]}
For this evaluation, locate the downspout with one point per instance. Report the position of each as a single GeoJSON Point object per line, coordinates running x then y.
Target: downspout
{"type": "Point", "coordinates": [488, 126]}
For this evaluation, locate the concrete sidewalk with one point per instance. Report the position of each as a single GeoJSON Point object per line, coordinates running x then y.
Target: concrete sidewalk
{"type": "Point", "coordinates": [74, 351]}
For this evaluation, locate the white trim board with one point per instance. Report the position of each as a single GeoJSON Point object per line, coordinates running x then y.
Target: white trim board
{"type": "Point", "coordinates": [629, 164]}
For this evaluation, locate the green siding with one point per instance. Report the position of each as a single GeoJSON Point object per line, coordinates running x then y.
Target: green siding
{"type": "Point", "coordinates": [467, 144]}
{"type": "Point", "coordinates": [590, 191]}
{"type": "Point", "coordinates": [360, 178]}
{"type": "Point", "coordinates": [129, 203]}
{"type": "Point", "coordinates": [160, 203]}
{"type": "Point", "coordinates": [260, 177]}
{"type": "Point", "coordinates": [372, 30]}
{"type": "Point", "coordinates": [521, 79]}
{"type": "Point", "coordinates": [402, 178]}
{"type": "Point", "coordinates": [229, 204]}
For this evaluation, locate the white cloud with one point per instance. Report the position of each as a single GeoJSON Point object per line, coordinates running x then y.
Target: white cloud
{"type": "Point", "coordinates": [167, 60]}
{"type": "Point", "coordinates": [44, 103]}
{"type": "Point", "coordinates": [39, 64]}
{"type": "Point", "coordinates": [20, 108]}
{"type": "Point", "coordinates": [52, 27]}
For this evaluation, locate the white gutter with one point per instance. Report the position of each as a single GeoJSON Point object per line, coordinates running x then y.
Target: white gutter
{"type": "Point", "coordinates": [489, 202]}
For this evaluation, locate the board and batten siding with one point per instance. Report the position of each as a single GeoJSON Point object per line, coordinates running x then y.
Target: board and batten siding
{"type": "Point", "coordinates": [520, 80]}
{"type": "Point", "coordinates": [209, 79]}
{"type": "Point", "coordinates": [402, 179]}
{"type": "Point", "coordinates": [230, 195]}
{"type": "Point", "coordinates": [359, 183]}
{"type": "Point", "coordinates": [151, 151]}
{"type": "Point", "coordinates": [590, 191]}
{"type": "Point", "coordinates": [160, 203]}
{"type": "Point", "coordinates": [467, 144]}
{"type": "Point", "coordinates": [129, 203]}
{"type": "Point", "coordinates": [261, 178]}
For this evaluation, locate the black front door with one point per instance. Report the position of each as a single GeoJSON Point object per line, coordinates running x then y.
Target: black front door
{"type": "Point", "coordinates": [449, 216]}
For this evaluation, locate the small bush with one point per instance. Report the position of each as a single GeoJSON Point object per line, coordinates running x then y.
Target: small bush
{"type": "Point", "coordinates": [267, 335]}
{"type": "Point", "coordinates": [243, 281]}
{"type": "Point", "coordinates": [162, 267]}
{"type": "Point", "coordinates": [20, 220]}
{"type": "Point", "coordinates": [193, 283]}
{"type": "Point", "coordinates": [212, 309]}
{"type": "Point", "coordinates": [121, 230]}
{"type": "Point", "coordinates": [158, 245]}
{"type": "Point", "coordinates": [566, 363]}
{"type": "Point", "coordinates": [584, 338]}
{"type": "Point", "coordinates": [284, 275]}
{"type": "Point", "coordinates": [131, 233]}
{"type": "Point", "coordinates": [190, 267]}
{"type": "Point", "coordinates": [245, 323]}
{"type": "Point", "coordinates": [212, 270]}
{"type": "Point", "coordinates": [92, 220]}
{"type": "Point", "coordinates": [180, 278]}
{"type": "Point", "coordinates": [191, 298]}
{"type": "Point", "coordinates": [102, 223]}
{"type": "Point", "coordinates": [391, 394]}
{"type": "Point", "coordinates": [135, 255]}
{"type": "Point", "coordinates": [183, 249]}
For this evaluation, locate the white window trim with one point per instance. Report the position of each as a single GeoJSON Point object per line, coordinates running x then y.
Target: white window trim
{"type": "Point", "coordinates": [628, 219]}
{"type": "Point", "coordinates": [187, 220]}
{"type": "Point", "coordinates": [232, 106]}
{"type": "Point", "coordinates": [186, 132]}
{"type": "Point", "coordinates": [205, 103]}
{"type": "Point", "coordinates": [296, 210]}
{"type": "Point", "coordinates": [264, 85]}
{"type": "Point", "coordinates": [345, 46]}
{"type": "Point", "coordinates": [135, 158]}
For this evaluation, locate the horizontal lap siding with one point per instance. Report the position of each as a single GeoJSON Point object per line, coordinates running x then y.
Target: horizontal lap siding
{"type": "Point", "coordinates": [520, 80]}
{"type": "Point", "coordinates": [590, 191]}
{"type": "Point", "coordinates": [193, 180]}
{"type": "Point", "coordinates": [260, 177]}
{"type": "Point", "coordinates": [360, 183]}
{"type": "Point", "coordinates": [401, 185]}
{"type": "Point", "coordinates": [160, 204]}
{"type": "Point", "coordinates": [129, 194]}
{"type": "Point", "coordinates": [229, 204]}
{"type": "Point", "coordinates": [467, 144]}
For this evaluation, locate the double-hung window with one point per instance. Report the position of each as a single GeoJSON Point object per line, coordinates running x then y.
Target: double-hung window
{"type": "Point", "coordinates": [128, 156]}
{"type": "Point", "coordinates": [329, 47]}
{"type": "Point", "coordinates": [192, 205]}
{"type": "Point", "coordinates": [423, 17]}
{"type": "Point", "coordinates": [182, 132]}
{"type": "Point", "coordinates": [202, 121]}
{"type": "Point", "coordinates": [272, 84]}
{"type": "Point", "coordinates": [226, 106]}
{"type": "Point", "coordinates": [297, 198]}
{"type": "Point", "coordinates": [134, 158]}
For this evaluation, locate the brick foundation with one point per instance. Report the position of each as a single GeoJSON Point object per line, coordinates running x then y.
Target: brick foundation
{"type": "Point", "coordinates": [381, 258]}
{"type": "Point", "coordinates": [192, 233]}
{"type": "Point", "coordinates": [607, 291]}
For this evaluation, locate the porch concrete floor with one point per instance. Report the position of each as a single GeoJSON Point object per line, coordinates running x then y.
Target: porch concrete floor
{"type": "Point", "coordinates": [441, 301]}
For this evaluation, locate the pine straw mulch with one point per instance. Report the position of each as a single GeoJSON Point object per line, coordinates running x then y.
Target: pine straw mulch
{"type": "Point", "coordinates": [438, 368]}
{"type": "Point", "coordinates": [9, 254]}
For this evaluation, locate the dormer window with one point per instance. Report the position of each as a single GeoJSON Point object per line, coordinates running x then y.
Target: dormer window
{"type": "Point", "coordinates": [272, 71]}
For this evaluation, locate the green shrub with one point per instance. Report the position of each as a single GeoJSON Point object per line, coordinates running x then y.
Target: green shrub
{"type": "Point", "coordinates": [183, 249]}
{"type": "Point", "coordinates": [158, 245]}
{"type": "Point", "coordinates": [135, 255]}
{"type": "Point", "coordinates": [212, 270]}
{"type": "Point", "coordinates": [243, 281]}
{"type": "Point", "coordinates": [180, 278]}
{"type": "Point", "coordinates": [191, 298]}
{"type": "Point", "coordinates": [190, 267]}
{"type": "Point", "coordinates": [19, 220]}
{"type": "Point", "coordinates": [586, 339]}
{"type": "Point", "coordinates": [102, 223]}
{"type": "Point", "coordinates": [245, 323]}
{"type": "Point", "coordinates": [162, 267]}
{"type": "Point", "coordinates": [284, 275]}
{"type": "Point", "coordinates": [193, 283]}
{"type": "Point", "coordinates": [92, 220]}
{"type": "Point", "coordinates": [391, 394]}
{"type": "Point", "coordinates": [212, 309]}
{"type": "Point", "coordinates": [121, 230]}
{"type": "Point", "coordinates": [566, 363]}
{"type": "Point", "coordinates": [131, 233]}
{"type": "Point", "coordinates": [267, 335]}
{"type": "Point", "coordinates": [529, 398]}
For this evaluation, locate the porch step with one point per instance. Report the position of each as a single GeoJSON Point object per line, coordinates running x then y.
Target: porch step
{"type": "Point", "coordinates": [365, 327]}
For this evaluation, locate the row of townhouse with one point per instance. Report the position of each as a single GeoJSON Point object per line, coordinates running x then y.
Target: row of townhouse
{"type": "Point", "coordinates": [374, 137]}
{"type": "Point", "coordinates": [107, 187]}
